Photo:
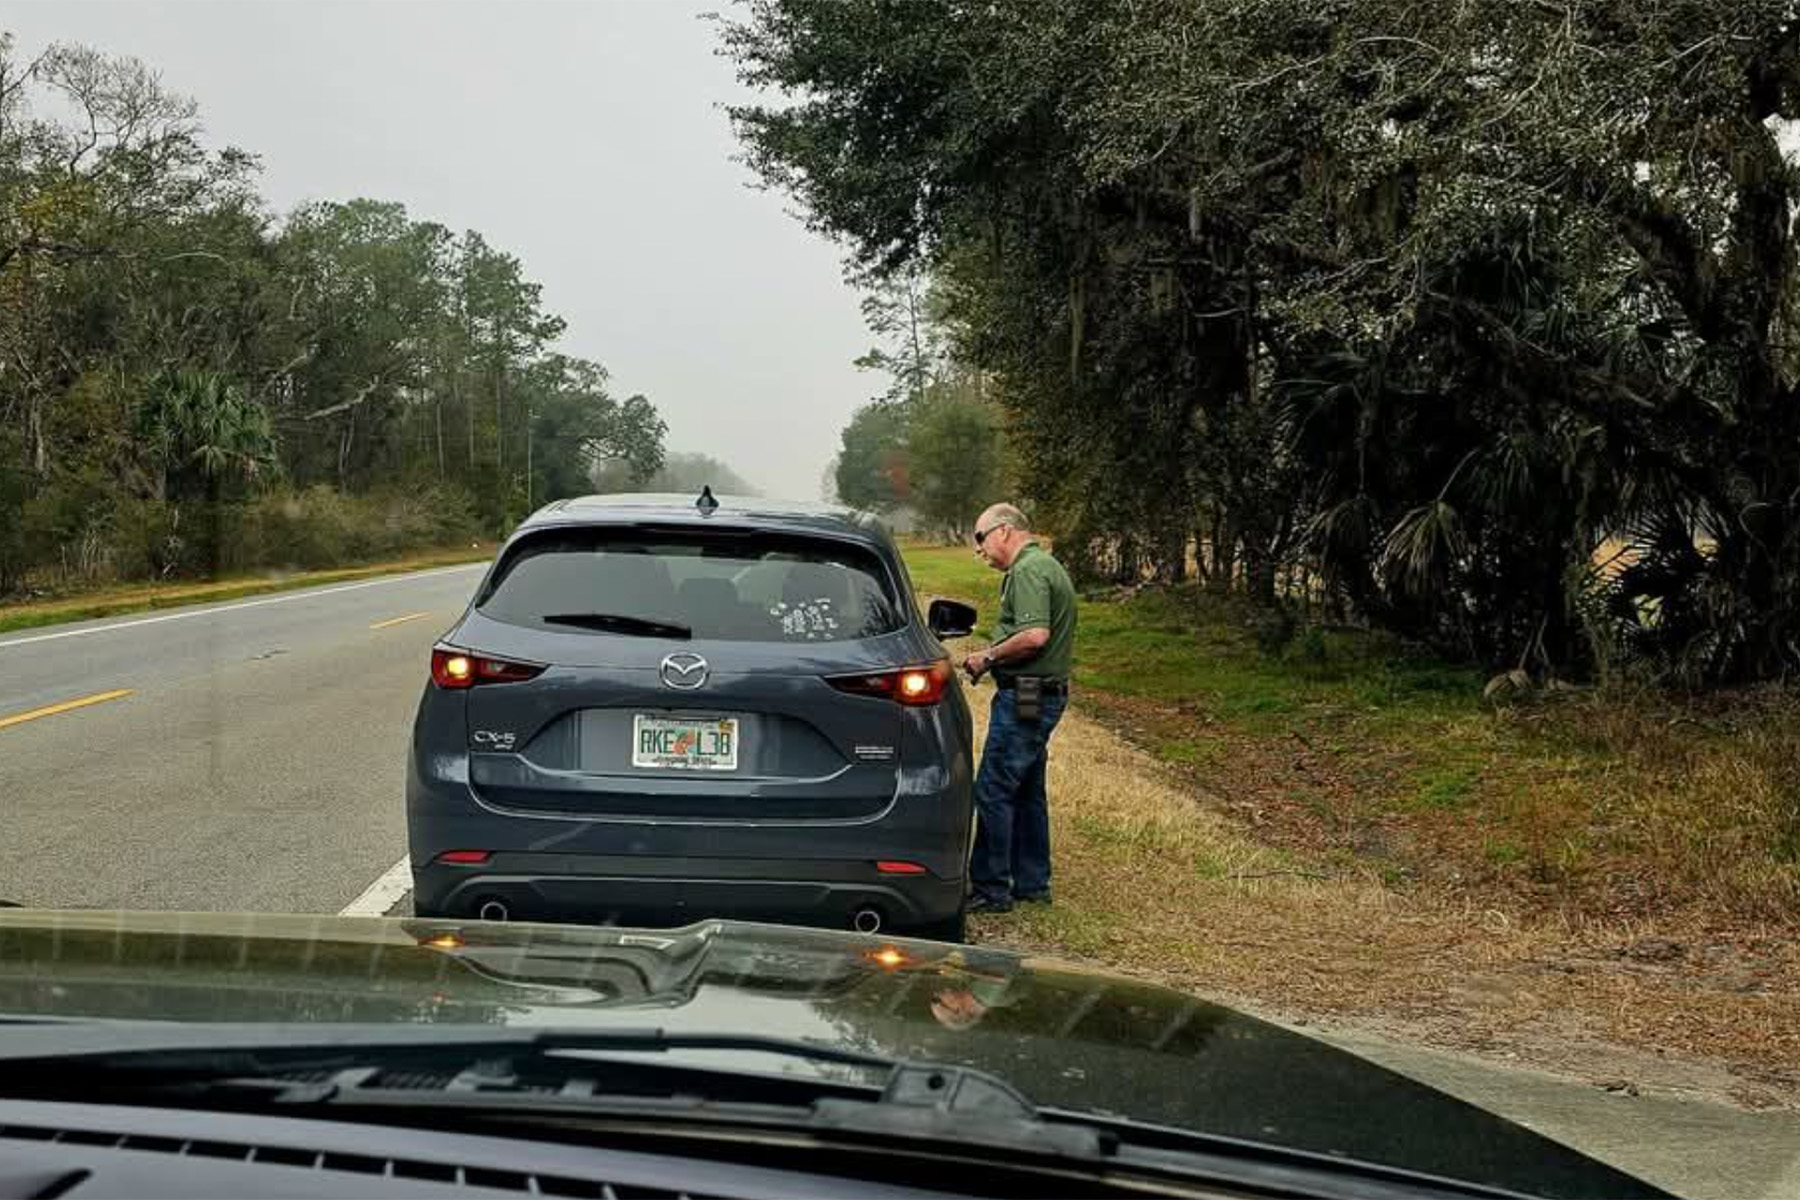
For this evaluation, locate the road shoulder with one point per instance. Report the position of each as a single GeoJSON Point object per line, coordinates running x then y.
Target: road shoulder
{"type": "Point", "coordinates": [1686, 1144]}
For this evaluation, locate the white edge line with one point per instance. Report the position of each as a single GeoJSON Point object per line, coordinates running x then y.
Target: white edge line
{"type": "Point", "coordinates": [208, 612]}
{"type": "Point", "coordinates": [381, 895]}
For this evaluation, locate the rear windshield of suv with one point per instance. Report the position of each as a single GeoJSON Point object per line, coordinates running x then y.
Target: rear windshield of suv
{"type": "Point", "coordinates": [757, 588]}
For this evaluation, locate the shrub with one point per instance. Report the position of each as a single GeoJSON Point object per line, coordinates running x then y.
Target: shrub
{"type": "Point", "coordinates": [71, 535]}
{"type": "Point", "coordinates": [319, 527]}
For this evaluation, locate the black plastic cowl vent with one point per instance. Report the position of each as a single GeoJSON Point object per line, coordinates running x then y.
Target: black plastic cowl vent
{"type": "Point", "coordinates": [51, 1184]}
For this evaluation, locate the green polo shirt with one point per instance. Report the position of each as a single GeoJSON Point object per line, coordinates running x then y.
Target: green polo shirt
{"type": "Point", "coordinates": [1036, 593]}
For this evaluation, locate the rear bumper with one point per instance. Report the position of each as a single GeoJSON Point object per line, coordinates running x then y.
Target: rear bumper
{"type": "Point", "coordinates": [645, 891]}
{"type": "Point", "coordinates": [593, 867]}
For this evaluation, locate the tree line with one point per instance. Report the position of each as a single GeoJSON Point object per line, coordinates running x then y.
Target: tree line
{"type": "Point", "coordinates": [930, 446]}
{"type": "Point", "coordinates": [682, 472]}
{"type": "Point", "coordinates": [190, 383]}
{"type": "Point", "coordinates": [1476, 322]}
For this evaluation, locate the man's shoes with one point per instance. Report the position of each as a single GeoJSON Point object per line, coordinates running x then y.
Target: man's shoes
{"type": "Point", "coordinates": [1035, 898]}
{"type": "Point", "coordinates": [989, 906]}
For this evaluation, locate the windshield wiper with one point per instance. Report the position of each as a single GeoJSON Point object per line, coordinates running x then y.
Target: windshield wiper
{"type": "Point", "coordinates": [122, 1043]}
{"type": "Point", "coordinates": [133, 1054]}
{"type": "Point", "coordinates": [649, 1082]}
{"type": "Point", "coordinates": [543, 1071]}
{"type": "Point", "coordinates": [620, 623]}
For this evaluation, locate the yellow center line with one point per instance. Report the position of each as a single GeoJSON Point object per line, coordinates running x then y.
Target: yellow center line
{"type": "Point", "coordinates": [66, 706]}
{"type": "Point", "coordinates": [398, 620]}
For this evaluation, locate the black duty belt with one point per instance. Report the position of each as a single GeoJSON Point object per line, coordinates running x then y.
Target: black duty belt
{"type": "Point", "coordinates": [1052, 687]}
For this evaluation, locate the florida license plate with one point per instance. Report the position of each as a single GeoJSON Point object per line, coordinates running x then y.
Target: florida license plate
{"type": "Point", "coordinates": [671, 743]}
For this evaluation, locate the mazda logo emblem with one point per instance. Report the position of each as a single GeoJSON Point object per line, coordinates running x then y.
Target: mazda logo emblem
{"type": "Point", "coordinates": [684, 671]}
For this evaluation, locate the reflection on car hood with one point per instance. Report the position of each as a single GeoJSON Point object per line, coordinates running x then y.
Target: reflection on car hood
{"type": "Point", "coordinates": [1066, 1037]}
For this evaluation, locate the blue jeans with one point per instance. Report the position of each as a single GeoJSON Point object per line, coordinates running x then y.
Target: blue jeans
{"type": "Point", "coordinates": [1012, 828]}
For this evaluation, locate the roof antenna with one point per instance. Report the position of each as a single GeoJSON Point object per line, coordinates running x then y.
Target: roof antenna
{"type": "Point", "coordinates": [706, 504]}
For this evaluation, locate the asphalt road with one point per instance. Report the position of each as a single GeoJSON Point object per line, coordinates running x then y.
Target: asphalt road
{"type": "Point", "coordinates": [256, 761]}
{"type": "Point", "coordinates": [250, 756]}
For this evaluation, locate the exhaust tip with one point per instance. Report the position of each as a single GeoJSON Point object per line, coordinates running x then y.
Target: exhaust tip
{"type": "Point", "coordinates": [493, 910]}
{"type": "Point", "coordinates": [866, 920]}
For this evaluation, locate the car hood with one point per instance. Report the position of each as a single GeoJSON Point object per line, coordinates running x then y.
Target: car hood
{"type": "Point", "coordinates": [1064, 1036]}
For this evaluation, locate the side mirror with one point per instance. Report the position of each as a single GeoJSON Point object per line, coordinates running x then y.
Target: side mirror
{"type": "Point", "coordinates": [950, 619]}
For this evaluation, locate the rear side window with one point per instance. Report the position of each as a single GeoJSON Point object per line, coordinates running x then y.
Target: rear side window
{"type": "Point", "coordinates": [718, 586]}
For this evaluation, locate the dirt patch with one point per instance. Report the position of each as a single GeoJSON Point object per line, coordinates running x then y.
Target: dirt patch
{"type": "Point", "coordinates": [1253, 874]}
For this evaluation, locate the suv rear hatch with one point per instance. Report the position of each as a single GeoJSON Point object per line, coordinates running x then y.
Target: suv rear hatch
{"type": "Point", "coordinates": [688, 676]}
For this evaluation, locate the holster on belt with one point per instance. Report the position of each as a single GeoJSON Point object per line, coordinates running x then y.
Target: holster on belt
{"type": "Point", "coordinates": [1028, 697]}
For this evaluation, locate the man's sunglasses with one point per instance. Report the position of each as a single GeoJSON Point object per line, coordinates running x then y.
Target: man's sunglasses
{"type": "Point", "coordinates": [981, 535]}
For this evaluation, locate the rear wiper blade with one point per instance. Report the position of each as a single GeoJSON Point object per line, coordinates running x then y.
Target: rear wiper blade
{"type": "Point", "coordinates": [619, 623]}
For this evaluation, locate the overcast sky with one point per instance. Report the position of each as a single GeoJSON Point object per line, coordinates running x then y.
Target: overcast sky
{"type": "Point", "coordinates": [584, 136]}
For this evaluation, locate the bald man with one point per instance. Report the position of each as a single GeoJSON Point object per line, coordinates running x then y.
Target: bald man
{"type": "Point", "coordinates": [1030, 660]}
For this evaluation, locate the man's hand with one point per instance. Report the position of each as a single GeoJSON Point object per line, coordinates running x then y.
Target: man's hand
{"type": "Point", "coordinates": [977, 664]}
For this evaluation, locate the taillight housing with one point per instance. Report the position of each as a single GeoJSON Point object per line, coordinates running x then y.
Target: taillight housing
{"type": "Point", "coordinates": [457, 669]}
{"type": "Point", "coordinates": [915, 687]}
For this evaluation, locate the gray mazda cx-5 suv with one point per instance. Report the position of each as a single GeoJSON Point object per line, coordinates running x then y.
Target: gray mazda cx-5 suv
{"type": "Point", "coordinates": [665, 709]}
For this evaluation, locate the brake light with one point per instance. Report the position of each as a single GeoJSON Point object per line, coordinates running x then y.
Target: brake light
{"type": "Point", "coordinates": [466, 858]}
{"type": "Point", "coordinates": [894, 867]}
{"type": "Point", "coordinates": [452, 668]}
{"type": "Point", "coordinates": [913, 686]}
